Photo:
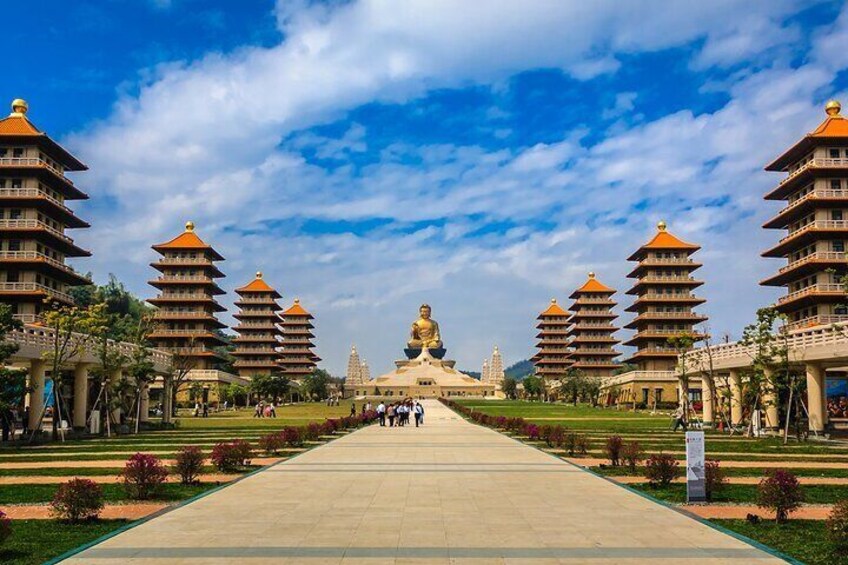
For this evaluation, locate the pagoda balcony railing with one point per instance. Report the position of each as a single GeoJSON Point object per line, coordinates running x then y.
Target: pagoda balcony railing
{"type": "Point", "coordinates": [252, 300]}
{"type": "Point", "coordinates": [257, 337]}
{"type": "Point", "coordinates": [188, 351]}
{"type": "Point", "coordinates": [160, 315]}
{"type": "Point", "coordinates": [33, 193]}
{"type": "Point", "coordinates": [35, 287]}
{"type": "Point", "coordinates": [672, 296]}
{"type": "Point", "coordinates": [820, 320]}
{"type": "Point", "coordinates": [666, 261]}
{"type": "Point", "coordinates": [816, 225]}
{"type": "Point", "coordinates": [819, 193]}
{"type": "Point", "coordinates": [593, 300]}
{"type": "Point", "coordinates": [259, 313]}
{"type": "Point", "coordinates": [257, 351]}
{"type": "Point", "coordinates": [663, 350]}
{"type": "Point", "coordinates": [34, 224]}
{"type": "Point", "coordinates": [661, 334]}
{"type": "Point", "coordinates": [663, 279]}
{"type": "Point", "coordinates": [29, 318]}
{"type": "Point", "coordinates": [815, 164]}
{"type": "Point", "coordinates": [184, 296]}
{"type": "Point", "coordinates": [255, 363]}
{"type": "Point", "coordinates": [171, 331]}
{"type": "Point", "coordinates": [184, 260]}
{"type": "Point", "coordinates": [581, 324]}
{"type": "Point", "coordinates": [817, 256]}
{"type": "Point", "coordinates": [32, 162]}
{"type": "Point", "coordinates": [30, 255]}
{"type": "Point", "coordinates": [257, 325]}
{"type": "Point", "coordinates": [640, 375]}
{"type": "Point", "coordinates": [667, 315]}
{"type": "Point", "coordinates": [825, 288]}
{"type": "Point", "coordinates": [593, 337]}
{"type": "Point", "coordinates": [596, 362]}
{"type": "Point", "coordinates": [184, 278]}
{"type": "Point", "coordinates": [591, 351]}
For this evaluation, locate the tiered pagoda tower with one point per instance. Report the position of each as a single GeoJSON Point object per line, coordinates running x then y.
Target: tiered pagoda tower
{"type": "Point", "coordinates": [484, 372]}
{"type": "Point", "coordinates": [553, 358]}
{"type": "Point", "coordinates": [353, 377]}
{"type": "Point", "coordinates": [256, 352]}
{"type": "Point", "coordinates": [34, 216]}
{"type": "Point", "coordinates": [664, 299]}
{"type": "Point", "coordinates": [365, 373]}
{"type": "Point", "coordinates": [186, 317]}
{"type": "Point", "coordinates": [815, 217]}
{"type": "Point", "coordinates": [296, 357]}
{"type": "Point", "coordinates": [496, 368]}
{"type": "Point", "coordinates": [592, 329]}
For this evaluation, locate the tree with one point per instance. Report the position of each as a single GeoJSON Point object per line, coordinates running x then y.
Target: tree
{"type": "Point", "coordinates": [272, 385]}
{"type": "Point", "coordinates": [572, 385]}
{"type": "Point", "coordinates": [314, 386]}
{"type": "Point", "coordinates": [533, 386]}
{"type": "Point", "coordinates": [682, 344]}
{"type": "Point", "coordinates": [124, 309]}
{"type": "Point", "coordinates": [140, 366]}
{"type": "Point", "coordinates": [181, 366]}
{"type": "Point", "coordinates": [510, 387]}
{"type": "Point", "coordinates": [591, 390]}
{"type": "Point", "coordinates": [12, 381]}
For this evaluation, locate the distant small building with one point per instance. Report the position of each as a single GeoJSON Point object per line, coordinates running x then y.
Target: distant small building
{"type": "Point", "coordinates": [554, 356]}
{"type": "Point", "coordinates": [297, 359]}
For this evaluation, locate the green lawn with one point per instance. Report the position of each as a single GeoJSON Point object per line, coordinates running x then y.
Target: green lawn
{"type": "Point", "coordinates": [36, 541]}
{"type": "Point", "coordinates": [805, 540]}
{"type": "Point", "coordinates": [35, 494]}
{"type": "Point", "coordinates": [745, 494]}
{"type": "Point", "coordinates": [733, 472]}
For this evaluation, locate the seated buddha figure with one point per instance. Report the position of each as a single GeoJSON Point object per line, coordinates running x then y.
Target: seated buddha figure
{"type": "Point", "coordinates": [425, 331]}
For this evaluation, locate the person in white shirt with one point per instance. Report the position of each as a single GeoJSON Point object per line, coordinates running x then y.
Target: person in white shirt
{"type": "Point", "coordinates": [381, 413]}
{"type": "Point", "coordinates": [419, 414]}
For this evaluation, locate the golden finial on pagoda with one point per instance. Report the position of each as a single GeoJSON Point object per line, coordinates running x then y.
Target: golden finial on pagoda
{"type": "Point", "coordinates": [591, 274]}
{"type": "Point", "coordinates": [661, 225]}
{"type": "Point", "coordinates": [258, 274]}
{"type": "Point", "coordinates": [833, 107]}
{"type": "Point", "coordinates": [553, 300]}
{"type": "Point", "coordinates": [297, 300]}
{"type": "Point", "coordinates": [19, 107]}
{"type": "Point", "coordinates": [189, 226]}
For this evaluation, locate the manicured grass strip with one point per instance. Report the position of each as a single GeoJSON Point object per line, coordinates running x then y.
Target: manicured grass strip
{"type": "Point", "coordinates": [88, 471]}
{"type": "Point", "coordinates": [805, 540]}
{"type": "Point", "coordinates": [745, 494]}
{"type": "Point", "coordinates": [735, 472]}
{"type": "Point", "coordinates": [37, 541]}
{"type": "Point", "coordinates": [35, 494]}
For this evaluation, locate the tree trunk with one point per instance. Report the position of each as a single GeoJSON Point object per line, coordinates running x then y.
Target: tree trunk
{"type": "Point", "coordinates": [167, 400]}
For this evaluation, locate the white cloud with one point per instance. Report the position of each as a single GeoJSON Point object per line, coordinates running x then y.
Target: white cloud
{"type": "Point", "coordinates": [202, 140]}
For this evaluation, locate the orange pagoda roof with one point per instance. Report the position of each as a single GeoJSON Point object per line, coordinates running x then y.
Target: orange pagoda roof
{"type": "Point", "coordinates": [188, 240]}
{"type": "Point", "coordinates": [259, 285]}
{"type": "Point", "coordinates": [17, 126]}
{"type": "Point", "coordinates": [833, 126]}
{"type": "Point", "coordinates": [296, 310]}
{"type": "Point", "coordinates": [591, 285]}
{"type": "Point", "coordinates": [663, 240]}
{"type": "Point", "coordinates": [553, 310]}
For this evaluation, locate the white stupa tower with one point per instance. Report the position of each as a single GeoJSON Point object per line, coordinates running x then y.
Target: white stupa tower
{"type": "Point", "coordinates": [496, 369]}
{"type": "Point", "coordinates": [484, 374]}
{"type": "Point", "coordinates": [364, 373]}
{"type": "Point", "coordinates": [354, 368]}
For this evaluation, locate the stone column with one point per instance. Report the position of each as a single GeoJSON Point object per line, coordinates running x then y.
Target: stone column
{"type": "Point", "coordinates": [144, 404]}
{"type": "Point", "coordinates": [80, 395]}
{"type": "Point", "coordinates": [36, 397]}
{"type": "Point", "coordinates": [815, 396]}
{"type": "Point", "coordinates": [707, 401]}
{"type": "Point", "coordinates": [735, 397]}
{"type": "Point", "coordinates": [769, 402]}
{"type": "Point", "coordinates": [114, 377]}
{"type": "Point", "coordinates": [167, 399]}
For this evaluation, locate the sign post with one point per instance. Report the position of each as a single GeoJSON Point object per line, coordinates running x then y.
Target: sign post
{"type": "Point", "coordinates": [695, 474]}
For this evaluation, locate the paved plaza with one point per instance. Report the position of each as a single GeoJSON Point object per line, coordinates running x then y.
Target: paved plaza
{"type": "Point", "coordinates": [447, 492]}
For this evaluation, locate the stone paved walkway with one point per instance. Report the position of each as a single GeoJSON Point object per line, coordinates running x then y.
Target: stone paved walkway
{"type": "Point", "coordinates": [445, 493]}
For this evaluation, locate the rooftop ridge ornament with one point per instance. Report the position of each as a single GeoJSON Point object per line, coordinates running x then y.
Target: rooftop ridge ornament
{"type": "Point", "coordinates": [19, 108]}
{"type": "Point", "coordinates": [661, 225]}
{"type": "Point", "coordinates": [832, 108]}
{"type": "Point", "coordinates": [258, 274]}
{"type": "Point", "coordinates": [189, 226]}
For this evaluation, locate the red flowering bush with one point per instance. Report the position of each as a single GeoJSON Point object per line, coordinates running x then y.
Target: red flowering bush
{"type": "Point", "coordinates": [631, 453]}
{"type": "Point", "coordinates": [188, 463]}
{"type": "Point", "coordinates": [292, 436]}
{"type": "Point", "coordinates": [77, 500]}
{"type": "Point", "coordinates": [532, 432]}
{"type": "Point", "coordinates": [780, 491]}
{"type": "Point", "coordinates": [5, 527]}
{"type": "Point", "coordinates": [661, 469]}
{"type": "Point", "coordinates": [231, 456]}
{"type": "Point", "coordinates": [272, 443]}
{"type": "Point", "coordinates": [714, 478]}
{"type": "Point", "coordinates": [613, 448]}
{"type": "Point", "coordinates": [143, 474]}
{"type": "Point", "coordinates": [837, 526]}
{"type": "Point", "coordinates": [312, 431]}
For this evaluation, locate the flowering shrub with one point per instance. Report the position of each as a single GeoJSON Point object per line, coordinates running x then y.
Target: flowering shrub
{"type": "Point", "coordinates": [312, 431]}
{"type": "Point", "coordinates": [837, 526]}
{"type": "Point", "coordinates": [143, 474]}
{"type": "Point", "coordinates": [292, 436]}
{"type": "Point", "coordinates": [272, 443]}
{"type": "Point", "coordinates": [231, 456]}
{"type": "Point", "coordinates": [613, 448]}
{"type": "Point", "coordinates": [5, 527]}
{"type": "Point", "coordinates": [631, 453]}
{"type": "Point", "coordinates": [780, 491]}
{"type": "Point", "coordinates": [660, 469]}
{"type": "Point", "coordinates": [714, 478]}
{"type": "Point", "coordinates": [532, 432]}
{"type": "Point", "coordinates": [575, 444]}
{"type": "Point", "coordinates": [77, 500]}
{"type": "Point", "coordinates": [188, 463]}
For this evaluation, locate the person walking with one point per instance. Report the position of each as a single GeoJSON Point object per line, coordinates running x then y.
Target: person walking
{"type": "Point", "coordinates": [381, 413]}
{"type": "Point", "coordinates": [679, 419]}
{"type": "Point", "coordinates": [419, 414]}
{"type": "Point", "coordinates": [273, 409]}
{"type": "Point", "coordinates": [352, 409]}
{"type": "Point", "coordinates": [390, 412]}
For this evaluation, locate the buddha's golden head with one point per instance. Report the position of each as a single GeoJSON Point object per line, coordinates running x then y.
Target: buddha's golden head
{"type": "Point", "coordinates": [425, 311]}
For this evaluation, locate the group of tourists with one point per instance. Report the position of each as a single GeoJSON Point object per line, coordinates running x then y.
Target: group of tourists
{"type": "Point", "coordinates": [265, 410]}
{"type": "Point", "coordinates": [398, 413]}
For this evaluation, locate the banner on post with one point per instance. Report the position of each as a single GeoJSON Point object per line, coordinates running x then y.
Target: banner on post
{"type": "Point", "coordinates": [695, 461]}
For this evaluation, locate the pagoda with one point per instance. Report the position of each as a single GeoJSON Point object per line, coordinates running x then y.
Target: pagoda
{"type": "Point", "coordinates": [664, 300]}
{"type": "Point", "coordinates": [364, 373]}
{"type": "Point", "coordinates": [354, 369]}
{"type": "Point", "coordinates": [815, 193]}
{"type": "Point", "coordinates": [186, 316]}
{"type": "Point", "coordinates": [484, 372]}
{"type": "Point", "coordinates": [34, 216]}
{"type": "Point", "coordinates": [592, 329]}
{"type": "Point", "coordinates": [496, 369]}
{"type": "Point", "coordinates": [296, 357]}
{"type": "Point", "coordinates": [256, 352]}
{"type": "Point", "coordinates": [553, 358]}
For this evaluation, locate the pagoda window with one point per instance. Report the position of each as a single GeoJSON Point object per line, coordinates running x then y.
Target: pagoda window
{"type": "Point", "coordinates": [835, 184]}
{"type": "Point", "coordinates": [836, 215]}
{"type": "Point", "coordinates": [17, 183]}
{"type": "Point", "coordinates": [834, 153]}
{"type": "Point", "coordinates": [18, 152]}
{"type": "Point", "coordinates": [15, 213]}
{"type": "Point", "coordinates": [838, 246]}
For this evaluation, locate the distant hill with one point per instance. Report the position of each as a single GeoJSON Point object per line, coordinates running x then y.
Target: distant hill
{"type": "Point", "coordinates": [519, 370]}
{"type": "Point", "coordinates": [475, 374]}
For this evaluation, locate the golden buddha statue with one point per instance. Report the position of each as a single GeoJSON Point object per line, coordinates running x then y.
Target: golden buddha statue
{"type": "Point", "coordinates": [425, 331]}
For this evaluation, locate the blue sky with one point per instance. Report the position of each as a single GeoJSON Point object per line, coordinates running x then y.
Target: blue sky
{"type": "Point", "coordinates": [369, 155]}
